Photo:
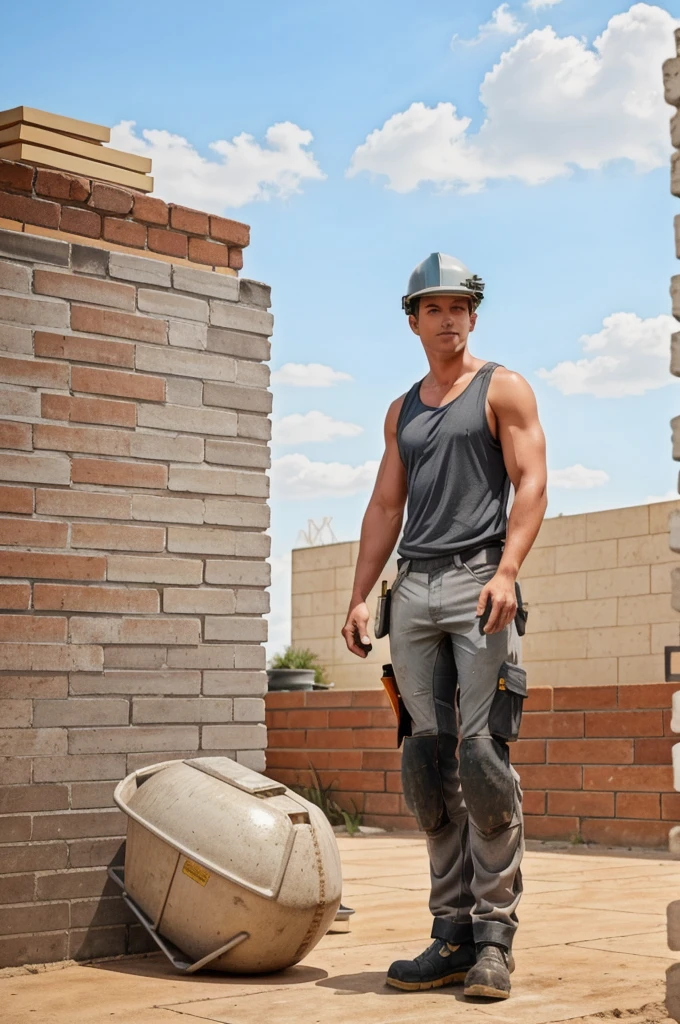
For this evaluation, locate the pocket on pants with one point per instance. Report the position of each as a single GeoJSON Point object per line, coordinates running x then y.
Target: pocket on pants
{"type": "Point", "coordinates": [505, 714]}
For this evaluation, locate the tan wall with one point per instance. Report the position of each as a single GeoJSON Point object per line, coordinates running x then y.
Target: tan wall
{"type": "Point", "coordinates": [598, 586]}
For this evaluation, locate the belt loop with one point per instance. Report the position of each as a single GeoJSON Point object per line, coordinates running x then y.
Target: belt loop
{"type": "Point", "coordinates": [457, 561]}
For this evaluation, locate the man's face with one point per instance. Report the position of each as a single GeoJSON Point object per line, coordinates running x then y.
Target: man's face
{"type": "Point", "coordinates": [443, 322]}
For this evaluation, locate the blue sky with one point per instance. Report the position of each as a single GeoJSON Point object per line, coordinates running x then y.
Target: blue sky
{"type": "Point", "coordinates": [556, 191]}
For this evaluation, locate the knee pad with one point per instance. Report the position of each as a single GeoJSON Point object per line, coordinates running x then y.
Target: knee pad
{"type": "Point", "coordinates": [487, 783]}
{"type": "Point", "coordinates": [425, 762]}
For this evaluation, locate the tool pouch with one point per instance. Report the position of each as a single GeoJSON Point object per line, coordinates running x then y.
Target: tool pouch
{"type": "Point", "coordinates": [382, 615]}
{"type": "Point", "coordinates": [522, 613]}
{"type": "Point", "coordinates": [505, 714]}
{"type": "Point", "coordinates": [404, 722]}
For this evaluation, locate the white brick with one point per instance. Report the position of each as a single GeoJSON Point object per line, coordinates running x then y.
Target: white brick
{"type": "Point", "coordinates": [238, 453]}
{"type": "Point", "coordinates": [19, 404]}
{"type": "Point", "coordinates": [248, 709]}
{"type": "Point", "coordinates": [233, 396]}
{"type": "Point", "coordinates": [50, 658]}
{"type": "Point", "coordinates": [231, 628]}
{"type": "Point", "coordinates": [248, 656]}
{"type": "Point", "coordinates": [145, 682]}
{"type": "Point", "coordinates": [15, 277]}
{"type": "Point", "coordinates": [236, 737]}
{"type": "Point", "coordinates": [133, 738]}
{"type": "Point", "coordinates": [147, 710]}
{"type": "Point", "coordinates": [187, 334]}
{"type": "Point", "coordinates": [35, 469]}
{"type": "Point", "coordinates": [210, 656]}
{"type": "Point", "coordinates": [128, 630]}
{"type": "Point", "coordinates": [238, 574]}
{"type": "Point", "coordinates": [183, 391]}
{"type": "Point", "coordinates": [16, 339]}
{"type": "Point", "coordinates": [259, 427]}
{"type": "Point", "coordinates": [198, 601]}
{"type": "Point", "coordinates": [155, 446]}
{"type": "Point", "coordinates": [128, 568]}
{"type": "Point", "coordinates": [139, 269]}
{"type": "Point", "coordinates": [81, 712]}
{"type": "Point", "coordinates": [234, 683]}
{"type": "Point", "coordinates": [253, 545]}
{"type": "Point", "coordinates": [237, 513]}
{"type": "Point", "coordinates": [254, 759]}
{"type": "Point", "coordinates": [34, 311]}
{"type": "Point", "coordinates": [135, 657]}
{"type": "Point", "coordinates": [185, 364]}
{"type": "Point", "coordinates": [204, 541]}
{"type": "Point", "coordinates": [158, 509]}
{"type": "Point", "coordinates": [252, 602]}
{"type": "Point", "coordinates": [171, 304]}
{"type": "Point", "coordinates": [187, 418]}
{"type": "Point", "coordinates": [218, 481]}
{"type": "Point", "coordinates": [255, 375]}
{"type": "Point", "coordinates": [240, 318]}
{"type": "Point", "coordinates": [202, 282]}
{"type": "Point", "coordinates": [232, 343]}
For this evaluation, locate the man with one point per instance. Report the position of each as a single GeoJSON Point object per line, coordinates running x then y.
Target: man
{"type": "Point", "coordinates": [453, 446]}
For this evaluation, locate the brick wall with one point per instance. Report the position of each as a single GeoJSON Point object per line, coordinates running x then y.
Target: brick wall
{"type": "Point", "coordinates": [598, 586]}
{"type": "Point", "coordinates": [594, 761]}
{"type": "Point", "coordinates": [133, 509]}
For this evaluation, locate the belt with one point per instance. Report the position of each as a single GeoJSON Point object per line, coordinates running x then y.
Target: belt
{"type": "Point", "coordinates": [492, 555]}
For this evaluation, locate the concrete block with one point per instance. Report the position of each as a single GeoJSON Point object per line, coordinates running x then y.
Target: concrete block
{"type": "Point", "coordinates": [155, 446]}
{"type": "Point", "coordinates": [171, 304]}
{"type": "Point", "coordinates": [210, 656]}
{"type": "Point", "coordinates": [218, 481]}
{"type": "Point", "coordinates": [252, 374]}
{"type": "Point", "coordinates": [238, 453]}
{"type": "Point", "coordinates": [257, 427]}
{"type": "Point", "coordinates": [254, 293]}
{"type": "Point", "coordinates": [230, 572]}
{"type": "Point", "coordinates": [659, 512]}
{"type": "Point", "coordinates": [624, 582]}
{"type": "Point", "coordinates": [248, 709]}
{"type": "Point", "coordinates": [137, 682]}
{"type": "Point", "coordinates": [183, 391]}
{"type": "Point", "coordinates": [204, 541]}
{"type": "Point", "coordinates": [202, 366]}
{"type": "Point", "coordinates": [80, 712]}
{"type": "Point", "coordinates": [233, 343]}
{"type": "Point", "coordinates": [231, 396]}
{"type": "Point", "coordinates": [133, 569]}
{"type": "Point", "coordinates": [234, 737]}
{"type": "Point", "coordinates": [139, 269]}
{"type": "Point", "coordinates": [236, 513]}
{"type": "Point", "coordinates": [237, 317]}
{"type": "Point", "coordinates": [233, 683]}
{"type": "Point", "coordinates": [187, 419]}
{"type": "Point", "coordinates": [187, 334]}
{"type": "Point", "coordinates": [148, 710]}
{"type": "Point", "coordinates": [675, 589]}
{"type": "Point", "coordinates": [252, 602]}
{"type": "Point", "coordinates": [133, 739]}
{"type": "Point", "coordinates": [254, 759]}
{"type": "Point", "coordinates": [199, 601]}
{"type": "Point", "coordinates": [205, 282]}
{"type": "Point", "coordinates": [234, 629]}
{"type": "Point", "coordinates": [156, 508]}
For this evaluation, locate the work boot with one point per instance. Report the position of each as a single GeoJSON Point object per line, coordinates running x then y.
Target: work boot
{"type": "Point", "coordinates": [490, 975]}
{"type": "Point", "coordinates": [442, 963]}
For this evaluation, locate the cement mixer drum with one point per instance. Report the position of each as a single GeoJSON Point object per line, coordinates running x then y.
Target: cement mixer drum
{"type": "Point", "coordinates": [220, 858]}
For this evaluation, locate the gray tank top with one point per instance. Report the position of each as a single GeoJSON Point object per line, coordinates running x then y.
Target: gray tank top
{"type": "Point", "coordinates": [457, 483]}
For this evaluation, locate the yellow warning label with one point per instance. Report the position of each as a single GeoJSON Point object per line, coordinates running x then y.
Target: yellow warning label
{"type": "Point", "coordinates": [195, 872]}
{"type": "Point", "coordinates": [501, 683]}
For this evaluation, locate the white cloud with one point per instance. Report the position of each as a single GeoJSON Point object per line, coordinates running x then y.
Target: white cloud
{"type": "Point", "coordinates": [243, 170]}
{"type": "Point", "coordinates": [309, 375]}
{"type": "Point", "coordinates": [671, 495]}
{"type": "Point", "coordinates": [632, 358]}
{"type": "Point", "coordinates": [501, 23]}
{"type": "Point", "coordinates": [577, 478]}
{"type": "Point", "coordinates": [295, 476]}
{"type": "Point", "coordinates": [312, 426]}
{"type": "Point", "coordinates": [551, 104]}
{"type": "Point", "coordinates": [536, 5]}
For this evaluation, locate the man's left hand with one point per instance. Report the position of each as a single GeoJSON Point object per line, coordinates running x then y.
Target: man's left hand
{"type": "Point", "coordinates": [501, 590]}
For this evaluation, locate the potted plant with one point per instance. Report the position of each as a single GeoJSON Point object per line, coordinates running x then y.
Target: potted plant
{"type": "Point", "coordinates": [296, 669]}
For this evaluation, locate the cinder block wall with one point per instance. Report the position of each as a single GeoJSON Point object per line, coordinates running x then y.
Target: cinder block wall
{"type": "Point", "coordinates": [598, 586]}
{"type": "Point", "coordinates": [594, 761]}
{"type": "Point", "coordinates": [133, 509]}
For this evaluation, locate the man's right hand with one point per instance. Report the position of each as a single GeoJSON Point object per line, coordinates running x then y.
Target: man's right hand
{"type": "Point", "coordinates": [356, 628]}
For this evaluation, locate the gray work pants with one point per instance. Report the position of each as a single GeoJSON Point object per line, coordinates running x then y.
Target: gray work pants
{"type": "Point", "coordinates": [463, 689]}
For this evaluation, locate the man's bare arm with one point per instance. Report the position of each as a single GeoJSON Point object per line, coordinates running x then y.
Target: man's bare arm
{"type": "Point", "coordinates": [379, 531]}
{"type": "Point", "coordinates": [523, 443]}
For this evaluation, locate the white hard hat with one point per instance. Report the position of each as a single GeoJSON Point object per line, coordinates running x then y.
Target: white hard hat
{"type": "Point", "coordinates": [440, 274]}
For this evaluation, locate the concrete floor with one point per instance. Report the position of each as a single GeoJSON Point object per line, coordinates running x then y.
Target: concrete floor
{"type": "Point", "coordinates": [591, 948]}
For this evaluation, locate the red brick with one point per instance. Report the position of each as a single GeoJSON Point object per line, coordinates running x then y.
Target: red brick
{"type": "Point", "coordinates": [537, 724]}
{"type": "Point", "coordinates": [626, 832]}
{"type": "Point", "coordinates": [640, 805]}
{"type": "Point", "coordinates": [286, 738]}
{"type": "Point", "coordinates": [16, 596]}
{"type": "Point", "coordinates": [15, 435]}
{"type": "Point", "coordinates": [123, 325]}
{"type": "Point", "coordinates": [114, 473]}
{"type": "Point", "coordinates": [285, 699]}
{"type": "Point", "coordinates": [624, 723]}
{"type": "Point", "coordinates": [369, 782]}
{"type": "Point", "coordinates": [84, 289]}
{"type": "Point", "coordinates": [123, 600]}
{"type": "Point", "coordinates": [56, 567]}
{"type": "Point", "coordinates": [30, 211]}
{"type": "Point", "coordinates": [87, 410]}
{"type": "Point", "coordinates": [80, 222]}
{"type": "Point", "coordinates": [33, 374]}
{"type": "Point", "coordinates": [549, 827]}
{"type": "Point", "coordinates": [383, 719]}
{"type": "Point", "coordinates": [581, 698]}
{"type": "Point", "coordinates": [351, 801]}
{"type": "Point", "coordinates": [370, 699]}
{"type": "Point", "coordinates": [230, 231]}
{"type": "Point", "coordinates": [16, 888]}
{"type": "Point", "coordinates": [192, 221]}
{"type": "Point", "coordinates": [276, 720]}
{"type": "Point", "coordinates": [16, 175]}
{"type": "Point", "coordinates": [349, 718]}
{"type": "Point", "coordinates": [31, 533]}
{"type": "Point", "coordinates": [534, 802]}
{"type": "Point", "coordinates": [396, 822]}
{"type": "Point", "coordinates": [539, 698]}
{"type": "Point", "coordinates": [551, 776]}
{"type": "Point", "coordinates": [110, 198]}
{"type": "Point", "coordinates": [16, 499]}
{"type": "Point", "coordinates": [235, 258]}
{"type": "Point", "coordinates": [647, 695]}
{"type": "Point", "coordinates": [382, 803]}
{"type": "Point", "coordinates": [528, 752]}
{"type": "Point", "coordinates": [330, 699]}
{"type": "Point", "coordinates": [656, 751]}
{"type": "Point", "coordinates": [323, 738]}
{"type": "Point", "coordinates": [126, 538]}
{"type": "Point", "coordinates": [631, 778]}
{"type": "Point", "coordinates": [342, 759]}
{"type": "Point", "coordinates": [591, 805]}
{"type": "Point", "coordinates": [93, 505]}
{"type": "Point", "coordinates": [381, 759]}
{"type": "Point", "coordinates": [393, 783]}
{"type": "Point", "coordinates": [150, 210]}
{"type": "Point", "coordinates": [590, 751]}
{"type": "Point", "coordinates": [124, 232]}
{"type": "Point", "coordinates": [667, 717]}
{"type": "Point", "coordinates": [670, 805]}
{"type": "Point", "coordinates": [170, 243]}
{"type": "Point", "coordinates": [212, 253]}
{"type": "Point", "coordinates": [142, 386]}
{"type": "Point", "coordinates": [57, 185]}
{"type": "Point", "coordinates": [382, 738]}
{"type": "Point", "coordinates": [307, 719]}
{"type": "Point", "coordinates": [40, 687]}
{"type": "Point", "coordinates": [84, 350]}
